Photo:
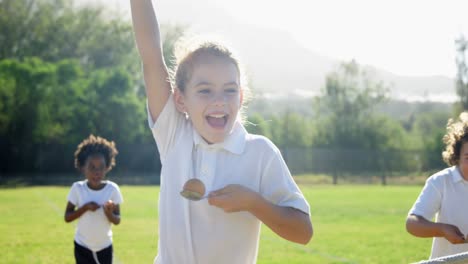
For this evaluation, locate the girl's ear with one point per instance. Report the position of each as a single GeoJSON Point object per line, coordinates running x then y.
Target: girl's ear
{"type": "Point", "coordinates": [179, 100]}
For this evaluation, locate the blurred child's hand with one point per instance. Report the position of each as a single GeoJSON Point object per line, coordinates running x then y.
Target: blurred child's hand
{"type": "Point", "coordinates": [233, 198]}
{"type": "Point", "coordinates": [92, 206]}
{"type": "Point", "coordinates": [453, 234]}
{"type": "Point", "coordinates": [109, 206]}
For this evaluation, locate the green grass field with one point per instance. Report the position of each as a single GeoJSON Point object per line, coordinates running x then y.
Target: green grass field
{"type": "Point", "coordinates": [352, 224]}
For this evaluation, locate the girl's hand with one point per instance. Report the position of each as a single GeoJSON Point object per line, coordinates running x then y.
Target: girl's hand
{"type": "Point", "coordinates": [109, 206]}
{"type": "Point", "coordinates": [453, 234]}
{"type": "Point", "coordinates": [92, 206]}
{"type": "Point", "coordinates": [233, 198]}
{"type": "Point", "coordinates": [112, 212]}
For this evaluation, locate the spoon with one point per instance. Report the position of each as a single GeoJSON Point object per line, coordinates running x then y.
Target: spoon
{"type": "Point", "coordinates": [194, 190]}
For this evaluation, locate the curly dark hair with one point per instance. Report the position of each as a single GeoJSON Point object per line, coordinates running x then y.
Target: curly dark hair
{"type": "Point", "coordinates": [457, 134]}
{"type": "Point", "coordinates": [95, 145]}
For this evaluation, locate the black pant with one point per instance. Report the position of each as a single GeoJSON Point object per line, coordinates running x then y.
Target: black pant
{"type": "Point", "coordinates": [85, 256]}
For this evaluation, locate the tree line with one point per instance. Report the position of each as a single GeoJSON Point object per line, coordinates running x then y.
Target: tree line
{"type": "Point", "coordinates": [67, 72]}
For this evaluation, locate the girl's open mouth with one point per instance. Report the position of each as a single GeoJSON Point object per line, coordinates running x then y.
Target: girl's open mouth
{"type": "Point", "coordinates": [217, 120]}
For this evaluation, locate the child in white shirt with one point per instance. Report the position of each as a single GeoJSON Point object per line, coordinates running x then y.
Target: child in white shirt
{"type": "Point", "coordinates": [196, 123]}
{"type": "Point", "coordinates": [95, 202]}
{"type": "Point", "coordinates": [444, 197]}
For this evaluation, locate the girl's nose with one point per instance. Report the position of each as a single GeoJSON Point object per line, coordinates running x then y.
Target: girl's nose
{"type": "Point", "coordinates": [219, 100]}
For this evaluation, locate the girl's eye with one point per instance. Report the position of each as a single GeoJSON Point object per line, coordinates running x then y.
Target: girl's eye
{"type": "Point", "coordinates": [204, 91]}
{"type": "Point", "coordinates": [94, 168]}
{"type": "Point", "coordinates": [231, 90]}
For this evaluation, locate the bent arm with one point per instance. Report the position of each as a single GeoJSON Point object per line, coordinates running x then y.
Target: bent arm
{"type": "Point", "coordinates": [149, 46]}
{"type": "Point", "coordinates": [71, 214]}
{"type": "Point", "coordinates": [421, 227]}
{"type": "Point", "coordinates": [113, 215]}
{"type": "Point", "coordinates": [289, 223]}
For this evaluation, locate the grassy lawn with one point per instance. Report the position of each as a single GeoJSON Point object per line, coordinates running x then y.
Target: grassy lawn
{"type": "Point", "coordinates": [352, 224]}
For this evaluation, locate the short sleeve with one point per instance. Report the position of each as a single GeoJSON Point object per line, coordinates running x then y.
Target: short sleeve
{"type": "Point", "coordinates": [429, 200]}
{"type": "Point", "coordinates": [166, 125]}
{"type": "Point", "coordinates": [73, 195]}
{"type": "Point", "coordinates": [116, 195]}
{"type": "Point", "coordinates": [279, 187]}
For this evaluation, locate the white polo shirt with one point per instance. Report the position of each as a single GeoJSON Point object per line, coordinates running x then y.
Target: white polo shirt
{"type": "Point", "coordinates": [196, 232]}
{"type": "Point", "coordinates": [444, 197]}
{"type": "Point", "coordinates": [93, 230]}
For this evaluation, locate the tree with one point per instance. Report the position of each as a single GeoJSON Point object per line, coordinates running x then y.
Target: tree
{"type": "Point", "coordinates": [346, 105]}
{"type": "Point", "coordinates": [461, 45]}
{"type": "Point", "coordinates": [429, 128]}
{"type": "Point", "coordinates": [27, 111]}
{"type": "Point", "coordinates": [347, 124]}
{"type": "Point", "coordinates": [115, 111]}
{"type": "Point", "coordinates": [66, 72]}
{"type": "Point", "coordinates": [49, 104]}
{"type": "Point", "coordinates": [256, 124]}
{"type": "Point", "coordinates": [53, 30]}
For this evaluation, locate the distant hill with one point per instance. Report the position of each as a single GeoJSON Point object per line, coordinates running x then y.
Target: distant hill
{"type": "Point", "coordinates": [420, 88]}
{"type": "Point", "coordinates": [277, 64]}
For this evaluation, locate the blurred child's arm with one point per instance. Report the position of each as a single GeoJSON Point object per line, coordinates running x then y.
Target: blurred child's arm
{"type": "Point", "coordinates": [148, 41]}
{"type": "Point", "coordinates": [421, 227]}
{"type": "Point", "coordinates": [289, 223]}
{"type": "Point", "coordinates": [71, 214]}
{"type": "Point", "coordinates": [112, 212]}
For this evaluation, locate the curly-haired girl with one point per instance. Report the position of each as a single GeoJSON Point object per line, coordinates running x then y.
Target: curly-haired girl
{"type": "Point", "coordinates": [95, 202]}
{"type": "Point", "coordinates": [444, 197]}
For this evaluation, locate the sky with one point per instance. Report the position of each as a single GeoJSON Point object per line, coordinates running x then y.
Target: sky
{"type": "Point", "coordinates": [405, 37]}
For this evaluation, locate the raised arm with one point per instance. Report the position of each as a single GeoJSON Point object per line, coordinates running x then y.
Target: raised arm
{"type": "Point", "coordinates": [148, 40]}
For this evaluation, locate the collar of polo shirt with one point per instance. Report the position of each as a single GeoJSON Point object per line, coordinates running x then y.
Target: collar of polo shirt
{"type": "Point", "coordinates": [234, 142]}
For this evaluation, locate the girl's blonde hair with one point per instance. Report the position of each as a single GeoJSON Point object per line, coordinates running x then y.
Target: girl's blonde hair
{"type": "Point", "coordinates": [457, 134]}
{"type": "Point", "coordinates": [190, 51]}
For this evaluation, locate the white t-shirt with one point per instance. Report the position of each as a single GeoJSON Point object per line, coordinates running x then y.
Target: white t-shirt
{"type": "Point", "coordinates": [93, 230]}
{"type": "Point", "coordinates": [444, 197]}
{"type": "Point", "coordinates": [195, 232]}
